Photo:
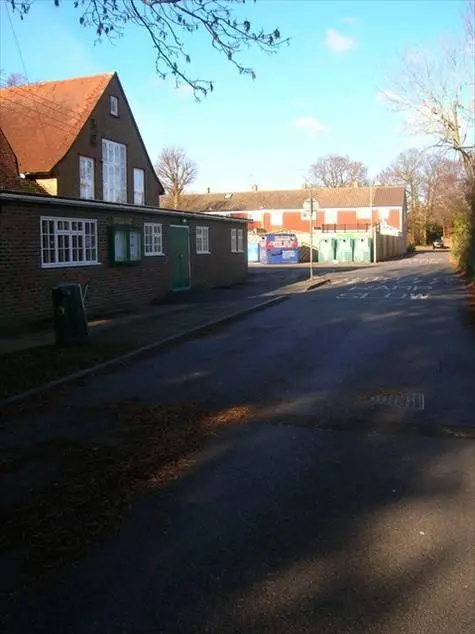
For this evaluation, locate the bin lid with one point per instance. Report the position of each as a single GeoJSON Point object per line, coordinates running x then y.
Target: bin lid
{"type": "Point", "coordinates": [65, 285]}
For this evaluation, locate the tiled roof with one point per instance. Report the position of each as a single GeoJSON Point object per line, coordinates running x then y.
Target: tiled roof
{"type": "Point", "coordinates": [347, 197]}
{"type": "Point", "coordinates": [41, 121]}
{"type": "Point", "coordinates": [9, 177]}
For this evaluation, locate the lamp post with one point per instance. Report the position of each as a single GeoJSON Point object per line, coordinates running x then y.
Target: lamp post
{"type": "Point", "coordinates": [310, 205]}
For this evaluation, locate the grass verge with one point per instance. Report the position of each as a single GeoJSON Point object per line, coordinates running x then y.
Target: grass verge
{"type": "Point", "coordinates": [25, 369]}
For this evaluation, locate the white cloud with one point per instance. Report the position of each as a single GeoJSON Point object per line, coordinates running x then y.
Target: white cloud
{"type": "Point", "coordinates": [310, 123]}
{"type": "Point", "coordinates": [338, 43]}
{"type": "Point", "coordinates": [349, 20]}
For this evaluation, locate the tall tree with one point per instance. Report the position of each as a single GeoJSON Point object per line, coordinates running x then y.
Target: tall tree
{"type": "Point", "coordinates": [168, 24]}
{"type": "Point", "coordinates": [437, 89]}
{"type": "Point", "coordinates": [405, 170]}
{"type": "Point", "coordinates": [175, 171]}
{"type": "Point", "coordinates": [335, 170]}
{"type": "Point", "coordinates": [433, 185]}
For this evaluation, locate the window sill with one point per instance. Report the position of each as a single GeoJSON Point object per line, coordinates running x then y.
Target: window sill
{"type": "Point", "coordinates": [203, 253]}
{"type": "Point", "coordinates": [153, 255]}
{"type": "Point", "coordinates": [68, 265]}
{"type": "Point", "coordinates": [127, 263]}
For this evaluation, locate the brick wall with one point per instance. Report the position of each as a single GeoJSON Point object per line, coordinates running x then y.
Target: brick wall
{"type": "Point", "coordinates": [25, 287]}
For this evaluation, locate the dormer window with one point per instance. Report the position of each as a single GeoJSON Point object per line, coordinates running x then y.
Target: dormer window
{"type": "Point", "coordinates": [114, 106]}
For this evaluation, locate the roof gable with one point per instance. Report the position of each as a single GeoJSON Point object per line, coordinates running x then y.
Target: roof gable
{"type": "Point", "coordinates": [139, 136]}
{"type": "Point", "coordinates": [41, 121]}
{"type": "Point", "coordinates": [328, 198]}
{"type": "Point", "coordinates": [9, 177]}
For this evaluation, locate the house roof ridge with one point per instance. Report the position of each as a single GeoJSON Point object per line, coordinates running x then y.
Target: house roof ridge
{"type": "Point", "coordinates": [58, 81]}
{"type": "Point", "coordinates": [287, 189]}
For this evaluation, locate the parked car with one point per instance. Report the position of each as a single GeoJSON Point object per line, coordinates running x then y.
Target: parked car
{"type": "Point", "coordinates": [438, 244]}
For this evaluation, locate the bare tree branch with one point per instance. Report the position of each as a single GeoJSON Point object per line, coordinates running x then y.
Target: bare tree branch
{"type": "Point", "coordinates": [338, 171]}
{"type": "Point", "coordinates": [437, 94]}
{"type": "Point", "coordinates": [168, 23]}
{"type": "Point", "coordinates": [434, 186]}
{"type": "Point", "coordinates": [175, 171]}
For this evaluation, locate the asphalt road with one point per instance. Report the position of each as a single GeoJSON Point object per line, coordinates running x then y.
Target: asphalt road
{"type": "Point", "coordinates": [347, 504]}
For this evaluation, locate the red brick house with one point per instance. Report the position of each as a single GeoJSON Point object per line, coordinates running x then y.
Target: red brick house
{"type": "Point", "coordinates": [78, 138]}
{"type": "Point", "coordinates": [100, 225]}
{"type": "Point", "coordinates": [345, 209]}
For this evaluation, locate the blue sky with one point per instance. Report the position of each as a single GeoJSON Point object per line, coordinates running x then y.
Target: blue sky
{"type": "Point", "coordinates": [316, 96]}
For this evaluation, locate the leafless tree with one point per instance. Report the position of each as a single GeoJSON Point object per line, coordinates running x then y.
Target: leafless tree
{"type": "Point", "coordinates": [434, 188]}
{"type": "Point", "coordinates": [436, 91]}
{"type": "Point", "coordinates": [405, 170]}
{"type": "Point", "coordinates": [13, 79]}
{"type": "Point", "coordinates": [175, 171]}
{"type": "Point", "coordinates": [335, 170]}
{"type": "Point", "coordinates": [168, 25]}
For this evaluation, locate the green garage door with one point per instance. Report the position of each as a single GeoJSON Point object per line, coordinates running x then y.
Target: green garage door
{"type": "Point", "coordinates": [180, 257]}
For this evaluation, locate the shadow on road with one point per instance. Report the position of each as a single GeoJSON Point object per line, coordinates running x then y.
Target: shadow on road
{"type": "Point", "coordinates": [291, 527]}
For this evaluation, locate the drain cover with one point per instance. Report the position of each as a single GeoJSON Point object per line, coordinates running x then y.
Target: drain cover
{"type": "Point", "coordinates": [402, 401]}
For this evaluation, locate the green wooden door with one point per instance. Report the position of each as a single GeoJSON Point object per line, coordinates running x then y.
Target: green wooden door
{"type": "Point", "coordinates": [180, 257]}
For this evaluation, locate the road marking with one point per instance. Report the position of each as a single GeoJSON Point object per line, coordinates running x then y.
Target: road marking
{"type": "Point", "coordinates": [414, 401]}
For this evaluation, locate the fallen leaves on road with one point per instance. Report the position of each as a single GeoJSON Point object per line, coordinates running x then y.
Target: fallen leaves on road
{"type": "Point", "coordinates": [95, 481]}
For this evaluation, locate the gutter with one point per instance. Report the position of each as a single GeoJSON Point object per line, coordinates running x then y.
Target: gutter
{"type": "Point", "coordinates": [99, 205]}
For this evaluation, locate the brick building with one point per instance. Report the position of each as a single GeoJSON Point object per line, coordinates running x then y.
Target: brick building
{"type": "Point", "coordinates": [342, 209]}
{"type": "Point", "coordinates": [79, 203]}
{"type": "Point", "coordinates": [129, 255]}
{"type": "Point", "coordinates": [78, 138]}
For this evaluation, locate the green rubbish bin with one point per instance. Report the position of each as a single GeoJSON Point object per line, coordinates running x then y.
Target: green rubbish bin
{"type": "Point", "coordinates": [362, 249]}
{"type": "Point", "coordinates": [326, 250]}
{"type": "Point", "coordinates": [344, 250]}
{"type": "Point", "coordinates": [69, 315]}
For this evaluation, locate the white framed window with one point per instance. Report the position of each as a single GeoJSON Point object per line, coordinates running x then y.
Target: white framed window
{"type": "Point", "coordinates": [276, 218]}
{"type": "Point", "coordinates": [114, 106]}
{"type": "Point", "coordinates": [86, 177]}
{"type": "Point", "coordinates": [202, 240]}
{"type": "Point", "coordinates": [153, 239]}
{"type": "Point", "coordinates": [68, 242]}
{"type": "Point", "coordinates": [114, 171]}
{"type": "Point", "coordinates": [384, 214]}
{"type": "Point", "coordinates": [363, 214]}
{"type": "Point", "coordinates": [237, 240]}
{"type": "Point", "coordinates": [331, 217]}
{"type": "Point", "coordinates": [139, 186]}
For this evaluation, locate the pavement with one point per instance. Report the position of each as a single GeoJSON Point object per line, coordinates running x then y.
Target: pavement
{"type": "Point", "coordinates": [262, 281]}
{"type": "Point", "coordinates": [345, 504]}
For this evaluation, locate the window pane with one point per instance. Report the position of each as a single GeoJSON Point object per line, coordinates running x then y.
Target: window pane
{"type": "Point", "coordinates": [240, 235]}
{"type": "Point", "coordinates": [134, 238]}
{"type": "Point", "coordinates": [120, 245]}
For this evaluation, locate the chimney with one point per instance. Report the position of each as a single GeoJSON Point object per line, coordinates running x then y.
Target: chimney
{"type": "Point", "coordinates": [254, 188]}
{"type": "Point", "coordinates": [208, 190]}
{"type": "Point", "coordinates": [355, 184]}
